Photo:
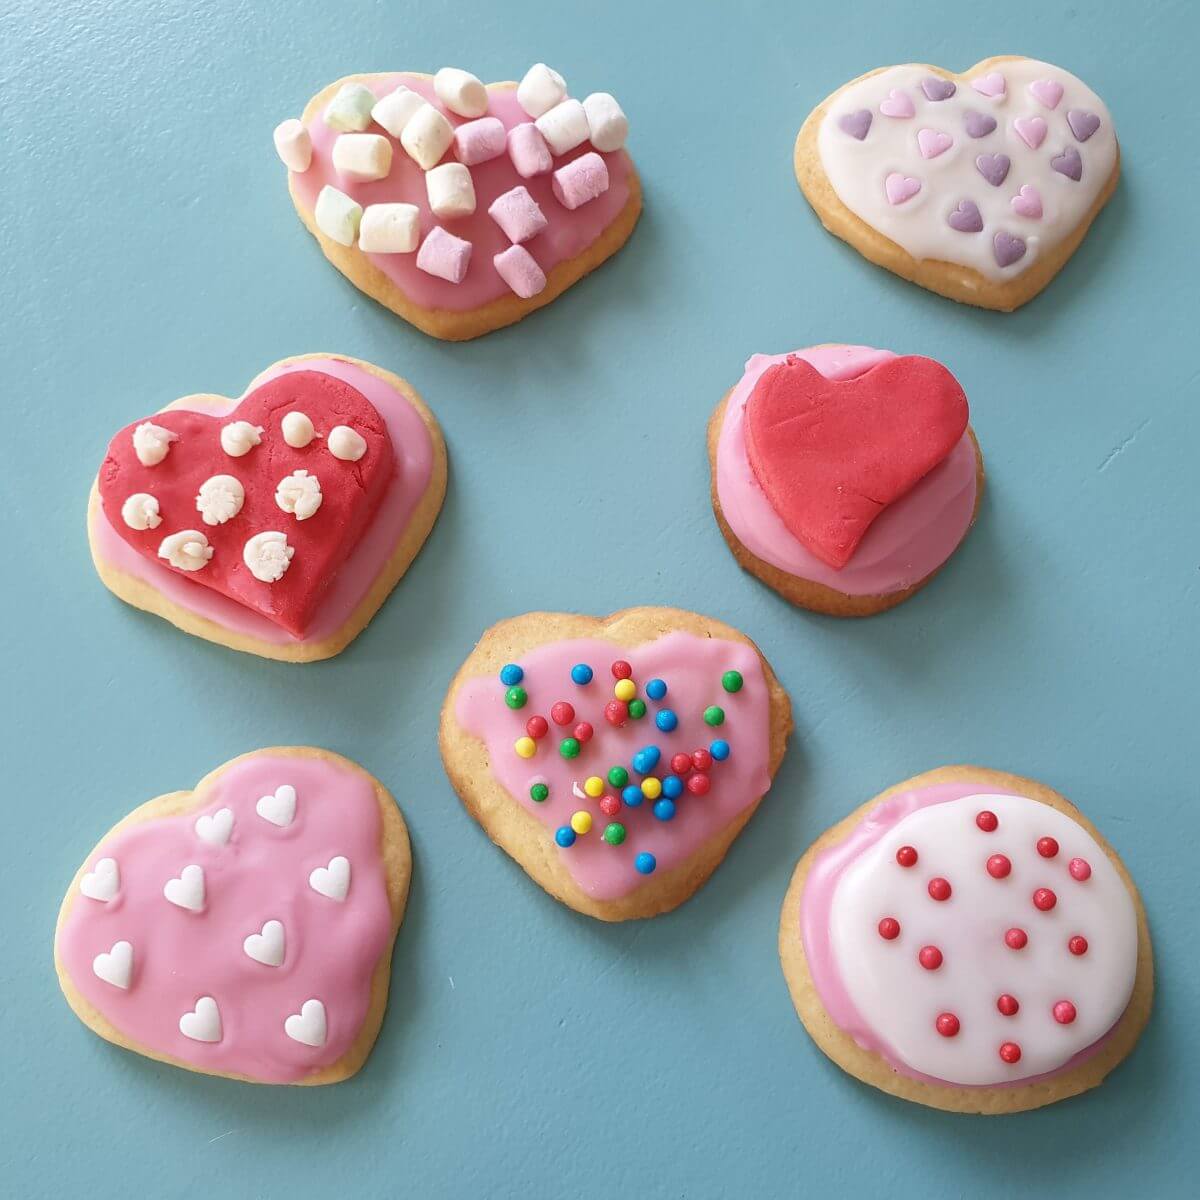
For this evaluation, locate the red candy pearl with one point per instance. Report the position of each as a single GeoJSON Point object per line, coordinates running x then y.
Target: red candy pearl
{"type": "Point", "coordinates": [947, 1024]}
{"type": "Point", "coordinates": [1080, 869]}
{"type": "Point", "coordinates": [939, 888]}
{"type": "Point", "coordinates": [616, 712]}
{"type": "Point", "coordinates": [681, 764]}
{"type": "Point", "coordinates": [1077, 945]}
{"type": "Point", "coordinates": [621, 669]}
{"type": "Point", "coordinates": [1044, 899]}
{"type": "Point", "coordinates": [1010, 1052]}
{"type": "Point", "coordinates": [1007, 1005]}
{"type": "Point", "coordinates": [998, 866]}
{"type": "Point", "coordinates": [536, 727]}
{"type": "Point", "coordinates": [701, 760]}
{"type": "Point", "coordinates": [987, 821]}
{"type": "Point", "coordinates": [1064, 1012]}
{"type": "Point", "coordinates": [610, 806]}
{"type": "Point", "coordinates": [562, 713]}
{"type": "Point", "coordinates": [583, 732]}
{"type": "Point", "coordinates": [906, 856]}
{"type": "Point", "coordinates": [698, 784]}
{"type": "Point", "coordinates": [1047, 847]}
{"type": "Point", "coordinates": [889, 929]}
{"type": "Point", "coordinates": [1016, 939]}
{"type": "Point", "coordinates": [930, 958]}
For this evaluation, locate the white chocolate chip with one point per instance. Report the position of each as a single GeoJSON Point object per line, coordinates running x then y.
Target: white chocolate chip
{"type": "Point", "coordinates": [140, 511]}
{"type": "Point", "coordinates": [240, 437]}
{"type": "Point", "coordinates": [345, 444]}
{"type": "Point", "coordinates": [293, 145]}
{"type": "Point", "coordinates": [268, 555]}
{"type": "Point", "coordinates": [299, 493]}
{"type": "Point", "coordinates": [220, 499]}
{"type": "Point", "coordinates": [427, 136]}
{"type": "Point", "coordinates": [451, 191]}
{"type": "Point", "coordinates": [188, 550]}
{"type": "Point", "coordinates": [350, 110]}
{"type": "Point", "coordinates": [461, 92]}
{"type": "Point", "coordinates": [337, 216]}
{"type": "Point", "coordinates": [152, 442]}
{"type": "Point", "coordinates": [297, 429]}
{"type": "Point", "coordinates": [540, 90]}
{"type": "Point", "coordinates": [395, 110]}
{"type": "Point", "coordinates": [362, 157]}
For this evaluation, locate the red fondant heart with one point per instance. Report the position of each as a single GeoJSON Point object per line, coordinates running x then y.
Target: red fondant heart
{"type": "Point", "coordinates": [350, 491]}
{"type": "Point", "coordinates": [831, 456]}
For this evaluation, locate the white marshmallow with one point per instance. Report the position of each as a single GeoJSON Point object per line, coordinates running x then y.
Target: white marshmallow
{"type": "Point", "coordinates": [297, 427]}
{"type": "Point", "coordinates": [293, 145]}
{"type": "Point", "coordinates": [427, 136]}
{"type": "Point", "coordinates": [461, 92]}
{"type": "Point", "coordinates": [451, 190]}
{"type": "Point", "coordinates": [345, 444]}
{"type": "Point", "coordinates": [564, 127]}
{"type": "Point", "coordinates": [337, 216]}
{"type": "Point", "coordinates": [390, 229]}
{"type": "Point", "coordinates": [350, 110]}
{"type": "Point", "coordinates": [396, 108]}
{"type": "Point", "coordinates": [140, 511]}
{"type": "Point", "coordinates": [608, 126]}
{"type": "Point", "coordinates": [540, 90]}
{"type": "Point", "coordinates": [362, 157]}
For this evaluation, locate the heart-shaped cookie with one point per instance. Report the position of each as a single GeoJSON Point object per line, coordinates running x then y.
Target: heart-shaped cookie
{"type": "Point", "coordinates": [616, 758]}
{"type": "Point", "coordinates": [276, 523]}
{"type": "Point", "coordinates": [461, 207]}
{"type": "Point", "coordinates": [930, 174]}
{"type": "Point", "coordinates": [222, 954]}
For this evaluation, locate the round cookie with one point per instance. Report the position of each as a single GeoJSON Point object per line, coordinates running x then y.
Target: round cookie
{"type": "Point", "coordinates": [967, 940]}
{"type": "Point", "coordinates": [617, 758]}
{"type": "Point", "coordinates": [244, 928]}
{"type": "Point", "coordinates": [977, 186]}
{"type": "Point", "coordinates": [844, 477]}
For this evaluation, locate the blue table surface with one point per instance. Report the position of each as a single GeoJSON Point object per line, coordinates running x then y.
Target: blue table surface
{"type": "Point", "coordinates": [151, 250]}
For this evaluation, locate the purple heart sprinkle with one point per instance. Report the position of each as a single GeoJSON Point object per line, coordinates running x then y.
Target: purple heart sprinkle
{"type": "Point", "coordinates": [978, 124]}
{"type": "Point", "coordinates": [1083, 123]}
{"type": "Point", "coordinates": [856, 124]}
{"type": "Point", "coordinates": [993, 167]}
{"type": "Point", "coordinates": [966, 218]}
{"type": "Point", "coordinates": [938, 89]}
{"type": "Point", "coordinates": [1068, 163]}
{"type": "Point", "coordinates": [1007, 248]}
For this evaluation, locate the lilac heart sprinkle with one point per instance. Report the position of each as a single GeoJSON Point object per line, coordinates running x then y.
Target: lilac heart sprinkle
{"type": "Point", "coordinates": [1068, 163]}
{"type": "Point", "coordinates": [1083, 123]}
{"type": "Point", "coordinates": [856, 124]}
{"type": "Point", "coordinates": [993, 167]}
{"type": "Point", "coordinates": [1007, 249]}
{"type": "Point", "coordinates": [978, 124]}
{"type": "Point", "coordinates": [966, 218]}
{"type": "Point", "coordinates": [938, 89]}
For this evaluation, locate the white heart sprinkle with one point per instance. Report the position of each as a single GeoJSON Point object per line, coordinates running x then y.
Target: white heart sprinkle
{"type": "Point", "coordinates": [115, 967]}
{"type": "Point", "coordinates": [188, 890]}
{"type": "Point", "coordinates": [308, 1025]}
{"type": "Point", "coordinates": [215, 828]}
{"type": "Point", "coordinates": [102, 881]}
{"type": "Point", "coordinates": [332, 881]}
{"type": "Point", "coordinates": [203, 1024]}
{"type": "Point", "coordinates": [266, 947]}
{"type": "Point", "coordinates": [279, 809]}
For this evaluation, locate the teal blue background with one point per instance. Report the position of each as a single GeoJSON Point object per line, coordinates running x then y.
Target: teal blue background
{"type": "Point", "coordinates": [151, 250]}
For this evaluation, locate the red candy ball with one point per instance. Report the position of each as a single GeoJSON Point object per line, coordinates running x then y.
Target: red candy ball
{"type": "Point", "coordinates": [987, 821]}
{"type": "Point", "coordinates": [1080, 869]}
{"type": "Point", "coordinates": [1044, 899]}
{"type": "Point", "coordinates": [681, 764]}
{"type": "Point", "coordinates": [947, 1024]}
{"type": "Point", "coordinates": [562, 713]}
{"type": "Point", "coordinates": [1047, 847]}
{"type": "Point", "coordinates": [1010, 1052]}
{"type": "Point", "coordinates": [999, 866]}
{"type": "Point", "coordinates": [621, 669]}
{"type": "Point", "coordinates": [1016, 939]}
{"type": "Point", "coordinates": [616, 712]}
{"type": "Point", "coordinates": [906, 856]}
{"type": "Point", "coordinates": [1077, 945]}
{"type": "Point", "coordinates": [930, 957]}
{"type": "Point", "coordinates": [1007, 1005]}
{"type": "Point", "coordinates": [698, 784]}
{"type": "Point", "coordinates": [1064, 1012]}
{"type": "Point", "coordinates": [889, 929]}
{"type": "Point", "coordinates": [939, 888]}
{"type": "Point", "coordinates": [701, 760]}
{"type": "Point", "coordinates": [610, 806]}
{"type": "Point", "coordinates": [583, 732]}
{"type": "Point", "coordinates": [536, 727]}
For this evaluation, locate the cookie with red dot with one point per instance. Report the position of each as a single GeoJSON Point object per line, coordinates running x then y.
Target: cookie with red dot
{"type": "Point", "coordinates": [969, 941]}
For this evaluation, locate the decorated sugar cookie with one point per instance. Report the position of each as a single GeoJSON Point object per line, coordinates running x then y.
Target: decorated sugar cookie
{"type": "Point", "coordinates": [844, 477]}
{"type": "Point", "coordinates": [244, 928]}
{"type": "Point", "coordinates": [978, 186]}
{"type": "Point", "coordinates": [969, 941]}
{"type": "Point", "coordinates": [615, 758]}
{"type": "Point", "coordinates": [276, 523]}
{"type": "Point", "coordinates": [459, 206]}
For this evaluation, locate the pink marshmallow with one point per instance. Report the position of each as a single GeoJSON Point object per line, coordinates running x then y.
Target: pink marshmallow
{"type": "Point", "coordinates": [518, 214]}
{"type": "Point", "coordinates": [444, 255]}
{"type": "Point", "coordinates": [582, 179]}
{"type": "Point", "coordinates": [478, 141]}
{"type": "Point", "coordinates": [528, 150]}
{"type": "Point", "coordinates": [516, 266]}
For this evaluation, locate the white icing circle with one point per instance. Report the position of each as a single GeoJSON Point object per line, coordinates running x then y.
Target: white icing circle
{"type": "Point", "coordinates": [140, 511]}
{"type": "Point", "coordinates": [187, 550]}
{"type": "Point", "coordinates": [151, 443]}
{"type": "Point", "coordinates": [240, 437]}
{"type": "Point", "coordinates": [268, 555]}
{"type": "Point", "coordinates": [297, 429]}
{"type": "Point", "coordinates": [346, 444]}
{"type": "Point", "coordinates": [220, 499]}
{"type": "Point", "coordinates": [300, 494]}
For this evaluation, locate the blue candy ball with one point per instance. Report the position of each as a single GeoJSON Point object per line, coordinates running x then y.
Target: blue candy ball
{"type": "Point", "coordinates": [581, 673]}
{"type": "Point", "coordinates": [632, 795]}
{"type": "Point", "coordinates": [656, 689]}
{"type": "Point", "coordinates": [664, 810]}
{"type": "Point", "coordinates": [645, 863]}
{"type": "Point", "coordinates": [719, 750]}
{"type": "Point", "coordinates": [564, 835]}
{"type": "Point", "coordinates": [650, 756]}
{"type": "Point", "coordinates": [672, 787]}
{"type": "Point", "coordinates": [639, 764]}
{"type": "Point", "coordinates": [511, 674]}
{"type": "Point", "coordinates": [666, 720]}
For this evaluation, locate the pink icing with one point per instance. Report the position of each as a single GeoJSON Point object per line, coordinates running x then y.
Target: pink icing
{"type": "Point", "coordinates": [909, 540]}
{"type": "Point", "coordinates": [414, 457]}
{"type": "Point", "coordinates": [568, 235]}
{"type": "Point", "coordinates": [692, 668]}
{"type": "Point", "coordinates": [815, 912]}
{"type": "Point", "coordinates": [261, 874]}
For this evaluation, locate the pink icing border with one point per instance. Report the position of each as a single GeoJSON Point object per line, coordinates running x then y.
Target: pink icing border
{"type": "Point", "coordinates": [909, 540]}
{"type": "Point", "coordinates": [413, 448]}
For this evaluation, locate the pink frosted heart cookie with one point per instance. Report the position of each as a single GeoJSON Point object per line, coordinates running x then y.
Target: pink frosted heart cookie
{"type": "Point", "coordinates": [978, 186]}
{"type": "Point", "coordinates": [459, 206]}
{"type": "Point", "coordinates": [617, 758]}
{"type": "Point", "coordinates": [969, 941]}
{"type": "Point", "coordinates": [244, 928]}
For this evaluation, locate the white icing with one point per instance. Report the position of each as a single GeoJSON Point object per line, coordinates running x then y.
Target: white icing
{"type": "Point", "coordinates": [280, 807]}
{"type": "Point", "coordinates": [332, 881]}
{"type": "Point", "coordinates": [188, 550]}
{"type": "Point", "coordinates": [203, 1023]}
{"type": "Point", "coordinates": [268, 555]}
{"type": "Point", "coordinates": [140, 511]}
{"type": "Point", "coordinates": [901, 1000]}
{"type": "Point", "coordinates": [266, 946]}
{"type": "Point", "coordinates": [299, 493]}
{"type": "Point", "coordinates": [297, 429]}
{"type": "Point", "coordinates": [220, 499]}
{"type": "Point", "coordinates": [103, 881]}
{"type": "Point", "coordinates": [858, 170]}
{"type": "Point", "coordinates": [187, 890]}
{"type": "Point", "coordinates": [215, 828]}
{"type": "Point", "coordinates": [345, 444]}
{"type": "Point", "coordinates": [308, 1025]}
{"type": "Point", "coordinates": [240, 437]}
{"type": "Point", "coordinates": [115, 967]}
{"type": "Point", "coordinates": [151, 443]}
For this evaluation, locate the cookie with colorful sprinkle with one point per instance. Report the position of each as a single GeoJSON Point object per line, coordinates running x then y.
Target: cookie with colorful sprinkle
{"type": "Point", "coordinates": [243, 928]}
{"type": "Point", "coordinates": [615, 758]}
{"type": "Point", "coordinates": [968, 940]}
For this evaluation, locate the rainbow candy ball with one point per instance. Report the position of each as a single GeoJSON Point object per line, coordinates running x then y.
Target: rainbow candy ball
{"type": "Point", "coordinates": [672, 787]}
{"type": "Point", "coordinates": [651, 787]}
{"type": "Point", "coordinates": [664, 810]}
{"type": "Point", "coordinates": [666, 720]}
{"type": "Point", "coordinates": [515, 697]}
{"type": "Point", "coordinates": [618, 776]}
{"type": "Point", "coordinates": [569, 747]}
{"type": "Point", "coordinates": [581, 821]}
{"type": "Point", "coordinates": [593, 786]}
{"type": "Point", "coordinates": [539, 792]}
{"type": "Point", "coordinates": [645, 863]}
{"type": "Point", "coordinates": [614, 834]}
{"type": "Point", "coordinates": [731, 681]}
{"type": "Point", "coordinates": [526, 747]}
{"type": "Point", "coordinates": [581, 673]}
{"type": "Point", "coordinates": [713, 715]}
{"type": "Point", "coordinates": [632, 795]}
{"type": "Point", "coordinates": [564, 835]}
{"type": "Point", "coordinates": [656, 689]}
{"type": "Point", "coordinates": [637, 709]}
{"type": "Point", "coordinates": [719, 750]}
{"type": "Point", "coordinates": [625, 689]}
{"type": "Point", "coordinates": [511, 674]}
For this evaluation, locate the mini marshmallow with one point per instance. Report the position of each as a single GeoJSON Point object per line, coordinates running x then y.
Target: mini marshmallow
{"type": "Point", "coordinates": [293, 145]}
{"type": "Point", "coordinates": [564, 127]}
{"type": "Point", "coordinates": [362, 157]}
{"type": "Point", "coordinates": [240, 437]}
{"type": "Point", "coordinates": [451, 191]}
{"type": "Point", "coordinates": [608, 126]}
{"type": "Point", "coordinates": [151, 443]}
{"type": "Point", "coordinates": [140, 511]}
{"type": "Point", "coordinates": [395, 110]}
{"type": "Point", "coordinates": [346, 444]}
{"type": "Point", "coordinates": [540, 90]}
{"type": "Point", "coordinates": [350, 110]}
{"type": "Point", "coordinates": [516, 266]}
{"type": "Point", "coordinates": [427, 136]}
{"type": "Point", "coordinates": [479, 141]}
{"type": "Point", "coordinates": [461, 92]}
{"type": "Point", "coordinates": [582, 179]}
{"type": "Point", "coordinates": [518, 215]}
{"type": "Point", "coordinates": [528, 151]}
{"type": "Point", "coordinates": [297, 429]}
{"type": "Point", "coordinates": [389, 229]}
{"type": "Point", "coordinates": [337, 215]}
{"type": "Point", "coordinates": [444, 255]}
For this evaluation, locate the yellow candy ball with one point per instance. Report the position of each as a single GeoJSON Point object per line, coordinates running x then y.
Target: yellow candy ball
{"type": "Point", "coordinates": [581, 821]}
{"type": "Point", "coordinates": [526, 747]}
{"type": "Point", "coordinates": [626, 689]}
{"type": "Point", "coordinates": [594, 786]}
{"type": "Point", "coordinates": [651, 787]}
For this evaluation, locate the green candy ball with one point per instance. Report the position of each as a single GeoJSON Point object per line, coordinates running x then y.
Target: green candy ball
{"type": "Point", "coordinates": [515, 697]}
{"type": "Point", "coordinates": [714, 715]}
{"type": "Point", "coordinates": [637, 709]}
{"type": "Point", "coordinates": [569, 748]}
{"type": "Point", "coordinates": [539, 792]}
{"type": "Point", "coordinates": [618, 777]}
{"type": "Point", "coordinates": [731, 681]}
{"type": "Point", "coordinates": [614, 834]}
